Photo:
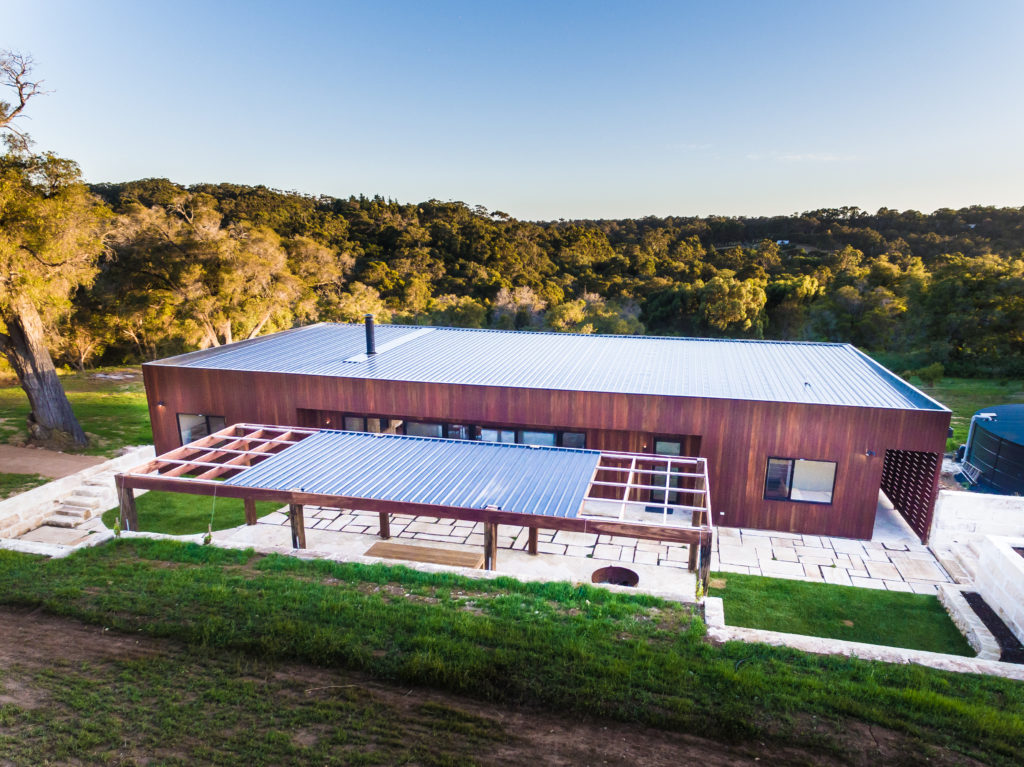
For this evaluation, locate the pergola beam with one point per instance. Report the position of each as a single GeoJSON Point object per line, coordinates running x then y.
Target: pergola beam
{"type": "Point", "coordinates": [642, 530]}
{"type": "Point", "coordinates": [236, 448]}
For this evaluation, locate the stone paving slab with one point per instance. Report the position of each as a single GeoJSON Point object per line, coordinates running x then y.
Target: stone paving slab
{"type": "Point", "coordinates": [899, 565]}
{"type": "Point", "coordinates": [884, 571]}
{"type": "Point", "coordinates": [62, 536]}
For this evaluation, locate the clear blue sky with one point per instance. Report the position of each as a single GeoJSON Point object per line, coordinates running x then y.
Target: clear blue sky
{"type": "Point", "coordinates": [543, 110]}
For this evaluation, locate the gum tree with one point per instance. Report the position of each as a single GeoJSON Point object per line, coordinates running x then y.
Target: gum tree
{"type": "Point", "coordinates": [50, 239]}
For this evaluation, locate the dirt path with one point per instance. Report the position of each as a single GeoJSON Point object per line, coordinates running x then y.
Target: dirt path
{"type": "Point", "coordinates": [31, 460]}
{"type": "Point", "coordinates": [30, 641]}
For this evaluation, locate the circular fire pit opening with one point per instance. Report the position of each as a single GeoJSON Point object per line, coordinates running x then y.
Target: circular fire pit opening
{"type": "Point", "coordinates": [616, 576]}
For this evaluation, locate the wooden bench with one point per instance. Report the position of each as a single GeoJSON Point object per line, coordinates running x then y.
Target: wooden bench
{"type": "Point", "coordinates": [429, 554]}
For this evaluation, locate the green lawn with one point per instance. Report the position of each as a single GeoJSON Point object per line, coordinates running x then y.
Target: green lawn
{"type": "Point", "coordinates": [192, 708]}
{"type": "Point", "coordinates": [896, 619]}
{"type": "Point", "coordinates": [181, 514]}
{"type": "Point", "coordinates": [966, 396]}
{"type": "Point", "coordinates": [12, 484]}
{"type": "Point", "coordinates": [577, 650]}
{"type": "Point", "coordinates": [113, 412]}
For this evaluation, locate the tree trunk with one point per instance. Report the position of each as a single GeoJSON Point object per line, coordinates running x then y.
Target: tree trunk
{"type": "Point", "coordinates": [51, 420]}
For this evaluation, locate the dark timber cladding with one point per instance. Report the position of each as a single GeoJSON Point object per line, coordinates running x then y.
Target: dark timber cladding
{"type": "Point", "coordinates": [737, 404]}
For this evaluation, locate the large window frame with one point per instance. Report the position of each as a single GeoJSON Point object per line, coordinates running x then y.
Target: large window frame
{"type": "Point", "coordinates": [790, 480]}
{"type": "Point", "coordinates": [424, 426]}
{"type": "Point", "coordinates": [211, 423]}
{"type": "Point", "coordinates": [662, 445]}
{"type": "Point", "coordinates": [509, 434]}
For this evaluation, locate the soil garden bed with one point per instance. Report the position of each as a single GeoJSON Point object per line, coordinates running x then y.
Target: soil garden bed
{"type": "Point", "coordinates": [1012, 650]}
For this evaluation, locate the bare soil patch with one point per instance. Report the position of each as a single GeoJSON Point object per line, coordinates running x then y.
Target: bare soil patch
{"type": "Point", "coordinates": [31, 640]}
{"type": "Point", "coordinates": [49, 463]}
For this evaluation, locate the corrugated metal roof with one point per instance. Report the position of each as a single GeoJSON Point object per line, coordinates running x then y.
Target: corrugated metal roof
{"type": "Point", "coordinates": [773, 371]}
{"type": "Point", "coordinates": [548, 481]}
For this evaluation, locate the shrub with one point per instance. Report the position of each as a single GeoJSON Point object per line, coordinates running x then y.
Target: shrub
{"type": "Point", "coordinates": [931, 374]}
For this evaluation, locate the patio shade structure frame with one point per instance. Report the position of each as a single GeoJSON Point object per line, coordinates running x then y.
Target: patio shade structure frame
{"type": "Point", "coordinates": [202, 466]}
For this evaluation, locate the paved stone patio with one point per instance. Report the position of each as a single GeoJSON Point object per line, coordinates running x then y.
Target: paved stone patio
{"type": "Point", "coordinates": [892, 565]}
{"type": "Point", "coordinates": [901, 564]}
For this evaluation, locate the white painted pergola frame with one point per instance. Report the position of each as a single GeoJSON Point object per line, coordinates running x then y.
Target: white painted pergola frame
{"type": "Point", "coordinates": [645, 477]}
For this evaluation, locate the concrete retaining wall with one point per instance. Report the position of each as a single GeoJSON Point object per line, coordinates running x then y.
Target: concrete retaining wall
{"type": "Point", "coordinates": [962, 517]}
{"type": "Point", "coordinates": [1000, 580]}
{"type": "Point", "coordinates": [26, 511]}
{"type": "Point", "coordinates": [718, 631]}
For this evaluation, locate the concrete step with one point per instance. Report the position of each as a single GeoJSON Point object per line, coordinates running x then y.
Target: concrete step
{"type": "Point", "coordinates": [93, 491]}
{"type": "Point", "coordinates": [72, 510]}
{"type": "Point", "coordinates": [968, 561]}
{"type": "Point", "coordinates": [83, 501]}
{"type": "Point", "coordinates": [952, 564]}
{"type": "Point", "coordinates": [973, 547]}
{"type": "Point", "coordinates": [63, 520]}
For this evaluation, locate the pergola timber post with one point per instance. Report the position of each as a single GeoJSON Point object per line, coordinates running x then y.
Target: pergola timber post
{"type": "Point", "coordinates": [250, 511]}
{"type": "Point", "coordinates": [298, 525]}
{"type": "Point", "coordinates": [697, 519]}
{"type": "Point", "coordinates": [691, 562]}
{"type": "Point", "coordinates": [211, 466]}
{"type": "Point", "coordinates": [490, 545]}
{"type": "Point", "coordinates": [705, 562]}
{"type": "Point", "coordinates": [129, 513]}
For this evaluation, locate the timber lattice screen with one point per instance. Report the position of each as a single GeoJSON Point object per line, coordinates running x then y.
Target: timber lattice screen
{"type": "Point", "coordinates": [910, 480]}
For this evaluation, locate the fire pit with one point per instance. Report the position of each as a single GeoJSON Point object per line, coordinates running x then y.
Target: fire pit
{"type": "Point", "coordinates": [616, 576]}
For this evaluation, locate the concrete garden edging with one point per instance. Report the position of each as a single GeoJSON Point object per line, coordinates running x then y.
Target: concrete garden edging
{"type": "Point", "coordinates": [714, 616]}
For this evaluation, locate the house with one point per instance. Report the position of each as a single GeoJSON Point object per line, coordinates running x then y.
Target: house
{"type": "Point", "coordinates": [797, 437]}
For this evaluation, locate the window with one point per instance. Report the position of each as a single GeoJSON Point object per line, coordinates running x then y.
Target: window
{"type": "Point", "coordinates": [420, 429]}
{"type": "Point", "coordinates": [795, 479]}
{"type": "Point", "coordinates": [668, 447]}
{"type": "Point", "coordinates": [457, 431]}
{"type": "Point", "coordinates": [665, 447]}
{"type": "Point", "coordinates": [497, 435]}
{"type": "Point", "coordinates": [541, 438]}
{"type": "Point", "coordinates": [354, 423]}
{"type": "Point", "coordinates": [574, 439]}
{"type": "Point", "coordinates": [193, 426]}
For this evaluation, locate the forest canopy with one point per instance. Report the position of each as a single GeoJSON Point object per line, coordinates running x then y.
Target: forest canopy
{"type": "Point", "coordinates": [192, 267]}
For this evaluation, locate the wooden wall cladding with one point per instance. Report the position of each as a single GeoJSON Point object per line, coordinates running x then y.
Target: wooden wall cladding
{"type": "Point", "coordinates": [909, 479]}
{"type": "Point", "coordinates": [736, 436]}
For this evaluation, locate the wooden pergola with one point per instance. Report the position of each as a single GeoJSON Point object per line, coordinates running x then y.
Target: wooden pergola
{"type": "Point", "coordinates": [614, 504]}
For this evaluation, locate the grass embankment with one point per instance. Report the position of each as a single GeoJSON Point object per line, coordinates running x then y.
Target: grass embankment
{"type": "Point", "coordinates": [12, 484]}
{"type": "Point", "coordinates": [181, 708]}
{"type": "Point", "coordinates": [114, 412]}
{"type": "Point", "coordinates": [181, 514]}
{"type": "Point", "coordinates": [895, 619]}
{"type": "Point", "coordinates": [966, 396]}
{"type": "Point", "coordinates": [555, 647]}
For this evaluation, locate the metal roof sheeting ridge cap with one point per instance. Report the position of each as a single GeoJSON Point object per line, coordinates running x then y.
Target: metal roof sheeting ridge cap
{"type": "Point", "coordinates": [894, 379]}
{"type": "Point", "coordinates": [644, 336]}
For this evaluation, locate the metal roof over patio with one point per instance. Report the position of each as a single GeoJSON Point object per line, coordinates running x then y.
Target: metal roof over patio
{"type": "Point", "coordinates": [546, 481]}
{"type": "Point", "coordinates": [494, 483]}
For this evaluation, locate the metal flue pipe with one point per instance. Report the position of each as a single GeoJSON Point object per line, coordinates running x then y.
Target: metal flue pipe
{"type": "Point", "coordinates": [371, 342]}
